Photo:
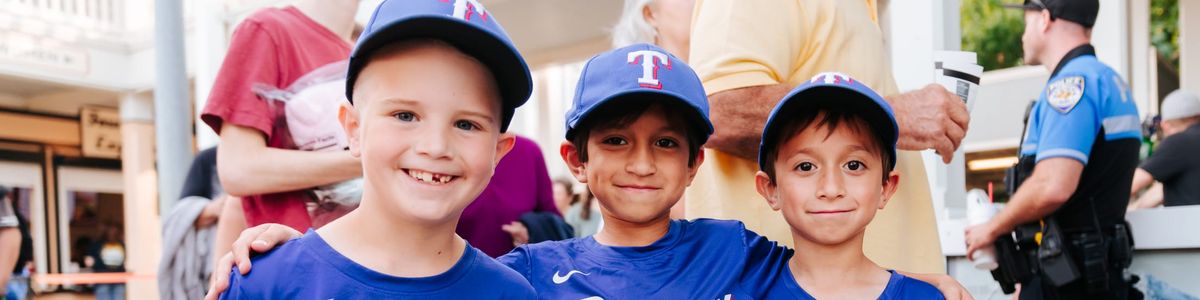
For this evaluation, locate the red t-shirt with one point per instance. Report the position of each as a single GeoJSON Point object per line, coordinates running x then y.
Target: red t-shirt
{"type": "Point", "coordinates": [274, 46]}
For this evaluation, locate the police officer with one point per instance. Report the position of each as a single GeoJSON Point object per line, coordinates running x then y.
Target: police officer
{"type": "Point", "coordinates": [1077, 160]}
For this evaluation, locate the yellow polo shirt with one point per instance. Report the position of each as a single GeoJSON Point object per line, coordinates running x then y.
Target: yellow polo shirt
{"type": "Point", "coordinates": [740, 43]}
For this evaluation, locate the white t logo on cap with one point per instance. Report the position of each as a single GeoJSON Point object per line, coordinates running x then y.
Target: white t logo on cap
{"type": "Point", "coordinates": [832, 78]}
{"type": "Point", "coordinates": [464, 8]}
{"type": "Point", "coordinates": [650, 61]}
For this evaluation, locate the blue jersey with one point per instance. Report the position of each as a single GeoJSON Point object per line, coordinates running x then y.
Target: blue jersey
{"type": "Point", "coordinates": [700, 259]}
{"type": "Point", "coordinates": [308, 268]}
{"type": "Point", "coordinates": [898, 287]}
{"type": "Point", "coordinates": [1086, 113]}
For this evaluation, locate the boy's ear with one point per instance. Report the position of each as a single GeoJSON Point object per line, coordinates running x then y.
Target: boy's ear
{"type": "Point", "coordinates": [570, 155]}
{"type": "Point", "coordinates": [503, 145]}
{"type": "Point", "coordinates": [695, 166]}
{"type": "Point", "coordinates": [767, 189]}
{"type": "Point", "coordinates": [889, 188]}
{"type": "Point", "coordinates": [348, 116]}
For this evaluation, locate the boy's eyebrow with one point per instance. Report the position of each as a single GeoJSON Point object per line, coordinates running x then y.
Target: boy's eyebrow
{"type": "Point", "coordinates": [660, 130]}
{"type": "Point", "coordinates": [402, 101]}
{"type": "Point", "coordinates": [484, 116]}
{"type": "Point", "coordinates": [810, 150]}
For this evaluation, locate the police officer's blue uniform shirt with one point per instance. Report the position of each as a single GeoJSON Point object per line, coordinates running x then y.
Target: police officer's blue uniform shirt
{"type": "Point", "coordinates": [699, 259]}
{"type": "Point", "coordinates": [308, 268]}
{"type": "Point", "coordinates": [898, 287]}
{"type": "Point", "coordinates": [1082, 98]}
{"type": "Point", "coordinates": [1086, 113]}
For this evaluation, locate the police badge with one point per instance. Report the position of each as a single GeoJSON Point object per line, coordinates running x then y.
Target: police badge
{"type": "Point", "coordinates": [1064, 93]}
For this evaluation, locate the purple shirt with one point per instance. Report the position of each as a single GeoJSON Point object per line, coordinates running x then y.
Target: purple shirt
{"type": "Point", "coordinates": [521, 184]}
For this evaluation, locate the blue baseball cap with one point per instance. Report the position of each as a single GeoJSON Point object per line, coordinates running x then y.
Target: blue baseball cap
{"type": "Point", "coordinates": [637, 71]}
{"type": "Point", "coordinates": [825, 90]}
{"type": "Point", "coordinates": [465, 24]}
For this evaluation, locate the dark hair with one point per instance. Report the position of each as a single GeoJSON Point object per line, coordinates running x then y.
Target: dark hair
{"type": "Point", "coordinates": [622, 112]}
{"type": "Point", "coordinates": [830, 116]}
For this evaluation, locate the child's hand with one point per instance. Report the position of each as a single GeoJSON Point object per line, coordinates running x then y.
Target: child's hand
{"type": "Point", "coordinates": [258, 239]}
{"type": "Point", "coordinates": [949, 287]}
{"type": "Point", "coordinates": [520, 234]}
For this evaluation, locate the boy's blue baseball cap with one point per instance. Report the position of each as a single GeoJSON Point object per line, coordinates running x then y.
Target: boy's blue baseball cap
{"type": "Point", "coordinates": [465, 24]}
{"type": "Point", "coordinates": [633, 71]}
{"type": "Point", "coordinates": [827, 89]}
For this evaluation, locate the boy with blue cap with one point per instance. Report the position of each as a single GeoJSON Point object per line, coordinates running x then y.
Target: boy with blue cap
{"type": "Point", "coordinates": [432, 87]}
{"type": "Point", "coordinates": [634, 133]}
{"type": "Point", "coordinates": [827, 161]}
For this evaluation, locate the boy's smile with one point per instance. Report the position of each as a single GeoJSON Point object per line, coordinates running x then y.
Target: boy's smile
{"type": "Point", "coordinates": [430, 178]}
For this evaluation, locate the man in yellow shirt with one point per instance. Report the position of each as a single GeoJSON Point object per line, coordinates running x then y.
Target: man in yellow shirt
{"type": "Point", "coordinates": [750, 53]}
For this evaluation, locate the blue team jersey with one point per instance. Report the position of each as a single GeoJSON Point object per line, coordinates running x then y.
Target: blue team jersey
{"type": "Point", "coordinates": [898, 287]}
{"type": "Point", "coordinates": [1081, 99]}
{"type": "Point", "coordinates": [700, 259]}
{"type": "Point", "coordinates": [308, 268]}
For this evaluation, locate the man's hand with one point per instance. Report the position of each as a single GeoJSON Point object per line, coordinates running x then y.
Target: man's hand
{"type": "Point", "coordinates": [257, 239]}
{"type": "Point", "coordinates": [949, 287]}
{"type": "Point", "coordinates": [930, 118]}
{"type": "Point", "coordinates": [979, 237]}
{"type": "Point", "coordinates": [520, 234]}
{"type": "Point", "coordinates": [211, 212]}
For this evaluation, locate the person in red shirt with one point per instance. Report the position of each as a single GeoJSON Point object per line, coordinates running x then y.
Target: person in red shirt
{"type": "Point", "coordinates": [256, 160]}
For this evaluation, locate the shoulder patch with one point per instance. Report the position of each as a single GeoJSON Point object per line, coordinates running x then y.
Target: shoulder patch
{"type": "Point", "coordinates": [1064, 94]}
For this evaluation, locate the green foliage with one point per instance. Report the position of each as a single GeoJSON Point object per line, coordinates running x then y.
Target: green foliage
{"type": "Point", "coordinates": [993, 32]}
{"type": "Point", "coordinates": [1164, 29]}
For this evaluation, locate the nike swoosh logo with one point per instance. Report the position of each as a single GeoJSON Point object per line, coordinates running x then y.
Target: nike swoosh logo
{"type": "Point", "coordinates": [559, 279]}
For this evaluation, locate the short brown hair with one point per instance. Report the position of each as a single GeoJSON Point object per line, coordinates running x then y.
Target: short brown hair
{"type": "Point", "coordinates": [829, 117]}
{"type": "Point", "coordinates": [622, 112]}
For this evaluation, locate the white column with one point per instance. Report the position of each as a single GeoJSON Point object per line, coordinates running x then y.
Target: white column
{"type": "Point", "coordinates": [210, 46]}
{"type": "Point", "coordinates": [173, 136]}
{"type": "Point", "coordinates": [1189, 44]}
{"type": "Point", "coordinates": [1141, 58]}
{"type": "Point", "coordinates": [925, 27]}
{"type": "Point", "coordinates": [1110, 35]}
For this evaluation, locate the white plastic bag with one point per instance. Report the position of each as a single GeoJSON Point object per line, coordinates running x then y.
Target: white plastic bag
{"type": "Point", "coordinates": [310, 107]}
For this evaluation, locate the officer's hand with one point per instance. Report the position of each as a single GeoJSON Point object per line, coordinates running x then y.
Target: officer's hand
{"type": "Point", "coordinates": [930, 118]}
{"type": "Point", "coordinates": [257, 239]}
{"type": "Point", "coordinates": [980, 237]}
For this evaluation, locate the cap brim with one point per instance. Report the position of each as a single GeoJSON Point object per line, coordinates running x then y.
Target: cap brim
{"type": "Point", "coordinates": [880, 120]}
{"type": "Point", "coordinates": [695, 117]}
{"type": "Point", "coordinates": [504, 61]}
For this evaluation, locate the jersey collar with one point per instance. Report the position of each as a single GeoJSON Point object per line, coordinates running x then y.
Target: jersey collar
{"type": "Point", "coordinates": [1085, 49]}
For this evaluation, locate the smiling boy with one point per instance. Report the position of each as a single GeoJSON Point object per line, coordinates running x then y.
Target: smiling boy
{"type": "Point", "coordinates": [827, 160]}
{"type": "Point", "coordinates": [433, 86]}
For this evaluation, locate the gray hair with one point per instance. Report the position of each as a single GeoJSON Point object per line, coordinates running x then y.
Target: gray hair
{"type": "Point", "coordinates": [632, 27]}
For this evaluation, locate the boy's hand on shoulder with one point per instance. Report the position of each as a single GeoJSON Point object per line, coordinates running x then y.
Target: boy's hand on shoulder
{"type": "Point", "coordinates": [257, 239]}
{"type": "Point", "coordinates": [949, 287]}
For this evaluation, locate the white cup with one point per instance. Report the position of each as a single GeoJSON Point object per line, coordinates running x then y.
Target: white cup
{"type": "Point", "coordinates": [961, 79]}
{"type": "Point", "coordinates": [979, 211]}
